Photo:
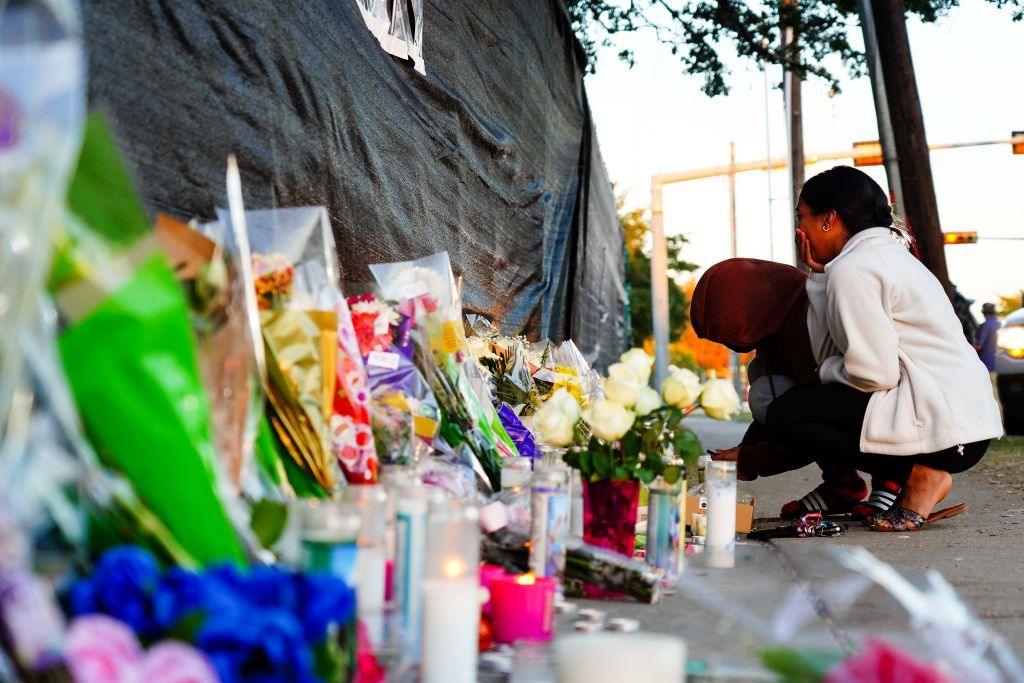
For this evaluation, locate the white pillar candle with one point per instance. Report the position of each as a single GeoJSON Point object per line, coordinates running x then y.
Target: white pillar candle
{"type": "Point", "coordinates": [720, 486]}
{"type": "Point", "coordinates": [620, 658]}
{"type": "Point", "coordinates": [451, 626]}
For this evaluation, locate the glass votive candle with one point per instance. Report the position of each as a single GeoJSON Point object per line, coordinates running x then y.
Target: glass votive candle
{"type": "Point", "coordinates": [620, 658]}
{"type": "Point", "coordinates": [720, 543]}
{"type": "Point", "coordinates": [487, 574]}
{"type": "Point", "coordinates": [516, 472]}
{"type": "Point", "coordinates": [451, 594]}
{"type": "Point", "coordinates": [328, 532]}
{"type": "Point", "coordinates": [522, 607]}
{"type": "Point", "coordinates": [370, 502]}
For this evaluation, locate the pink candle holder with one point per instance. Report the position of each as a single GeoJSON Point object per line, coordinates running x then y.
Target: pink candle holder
{"type": "Point", "coordinates": [522, 607]}
{"type": "Point", "coordinates": [487, 574]}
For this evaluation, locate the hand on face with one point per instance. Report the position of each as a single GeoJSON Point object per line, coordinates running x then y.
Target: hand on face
{"type": "Point", "coordinates": [803, 250]}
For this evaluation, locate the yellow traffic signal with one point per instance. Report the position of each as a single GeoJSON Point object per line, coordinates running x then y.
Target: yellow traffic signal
{"type": "Point", "coordinates": [1018, 141]}
{"type": "Point", "coordinates": [867, 153]}
{"type": "Point", "coordinates": [963, 237]}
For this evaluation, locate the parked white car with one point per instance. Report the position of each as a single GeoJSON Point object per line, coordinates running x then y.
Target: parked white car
{"type": "Point", "coordinates": [1010, 369]}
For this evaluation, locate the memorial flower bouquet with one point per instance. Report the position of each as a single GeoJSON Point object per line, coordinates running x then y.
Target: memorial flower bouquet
{"type": "Point", "coordinates": [262, 623]}
{"type": "Point", "coordinates": [637, 435]}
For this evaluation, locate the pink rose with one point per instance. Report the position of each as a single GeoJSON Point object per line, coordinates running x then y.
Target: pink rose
{"type": "Point", "coordinates": [880, 662]}
{"type": "Point", "coordinates": [101, 649]}
{"type": "Point", "coordinates": [175, 662]}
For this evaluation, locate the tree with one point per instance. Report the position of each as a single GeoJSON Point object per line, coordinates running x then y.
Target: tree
{"type": "Point", "coordinates": [696, 31]}
{"type": "Point", "coordinates": [638, 260]}
{"type": "Point", "coordinates": [1008, 303]}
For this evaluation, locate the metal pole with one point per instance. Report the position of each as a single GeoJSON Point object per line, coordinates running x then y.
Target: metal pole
{"type": "Point", "coordinates": [794, 121]}
{"type": "Point", "coordinates": [768, 167]}
{"type": "Point", "coordinates": [659, 285]}
{"type": "Point", "coordinates": [734, 358]}
{"type": "Point", "coordinates": [885, 132]}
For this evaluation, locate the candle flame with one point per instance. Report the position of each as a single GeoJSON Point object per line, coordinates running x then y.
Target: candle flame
{"type": "Point", "coordinates": [454, 568]}
{"type": "Point", "coordinates": [526, 580]}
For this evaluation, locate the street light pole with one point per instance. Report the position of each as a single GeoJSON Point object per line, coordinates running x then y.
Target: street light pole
{"type": "Point", "coordinates": [734, 358]}
{"type": "Point", "coordinates": [659, 284]}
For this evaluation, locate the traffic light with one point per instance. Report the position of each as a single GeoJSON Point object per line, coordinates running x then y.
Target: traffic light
{"type": "Point", "coordinates": [963, 237]}
{"type": "Point", "coordinates": [1018, 141]}
{"type": "Point", "coordinates": [872, 151]}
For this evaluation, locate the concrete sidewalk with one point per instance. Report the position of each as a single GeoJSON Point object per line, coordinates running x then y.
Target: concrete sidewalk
{"type": "Point", "coordinates": [981, 553]}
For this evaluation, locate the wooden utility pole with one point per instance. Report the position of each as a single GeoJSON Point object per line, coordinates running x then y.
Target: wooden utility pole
{"type": "Point", "coordinates": [904, 102]}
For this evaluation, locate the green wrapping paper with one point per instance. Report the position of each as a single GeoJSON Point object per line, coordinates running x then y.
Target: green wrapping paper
{"type": "Point", "coordinates": [131, 363]}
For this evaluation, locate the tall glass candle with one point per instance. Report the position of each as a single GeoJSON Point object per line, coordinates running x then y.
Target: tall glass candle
{"type": "Point", "coordinates": [451, 594]}
{"type": "Point", "coordinates": [516, 472]}
{"type": "Point", "coordinates": [410, 544]}
{"type": "Point", "coordinates": [720, 544]}
{"type": "Point", "coordinates": [549, 522]}
{"type": "Point", "coordinates": [665, 547]}
{"type": "Point", "coordinates": [370, 502]}
{"type": "Point", "coordinates": [328, 531]}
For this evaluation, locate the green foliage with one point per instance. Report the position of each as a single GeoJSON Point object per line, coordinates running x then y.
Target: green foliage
{"type": "Point", "coordinates": [638, 262]}
{"type": "Point", "coordinates": [799, 666]}
{"type": "Point", "coordinates": [696, 32]}
{"type": "Point", "coordinates": [651, 448]}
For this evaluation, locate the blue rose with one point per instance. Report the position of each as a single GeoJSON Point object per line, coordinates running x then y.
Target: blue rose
{"type": "Point", "coordinates": [259, 646]}
{"type": "Point", "coordinates": [122, 585]}
{"type": "Point", "coordinates": [182, 593]}
{"type": "Point", "coordinates": [324, 600]}
{"type": "Point", "coordinates": [271, 587]}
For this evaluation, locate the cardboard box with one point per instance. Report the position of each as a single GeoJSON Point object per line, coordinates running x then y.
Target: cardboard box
{"type": "Point", "coordinates": [744, 513]}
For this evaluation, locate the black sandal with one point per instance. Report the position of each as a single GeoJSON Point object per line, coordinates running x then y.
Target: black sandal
{"type": "Point", "coordinates": [901, 520]}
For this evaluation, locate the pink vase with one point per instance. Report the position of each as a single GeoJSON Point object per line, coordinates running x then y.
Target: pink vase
{"type": "Point", "coordinates": [609, 514]}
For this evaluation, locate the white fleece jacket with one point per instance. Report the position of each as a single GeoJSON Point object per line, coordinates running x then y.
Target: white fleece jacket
{"type": "Point", "coordinates": [880, 322]}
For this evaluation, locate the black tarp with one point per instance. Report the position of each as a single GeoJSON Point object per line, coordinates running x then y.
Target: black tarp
{"type": "Point", "coordinates": [490, 155]}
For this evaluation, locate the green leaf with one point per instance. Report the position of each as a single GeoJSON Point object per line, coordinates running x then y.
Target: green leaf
{"type": "Point", "coordinates": [620, 473]}
{"type": "Point", "coordinates": [644, 475]}
{"type": "Point", "coordinates": [101, 192]}
{"type": "Point", "coordinates": [672, 473]}
{"type": "Point", "coordinates": [602, 464]}
{"type": "Point", "coordinates": [586, 462]}
{"type": "Point", "coordinates": [268, 521]}
{"type": "Point", "coordinates": [800, 666]}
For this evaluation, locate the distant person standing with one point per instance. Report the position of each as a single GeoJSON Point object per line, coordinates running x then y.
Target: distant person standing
{"type": "Point", "coordinates": [988, 332]}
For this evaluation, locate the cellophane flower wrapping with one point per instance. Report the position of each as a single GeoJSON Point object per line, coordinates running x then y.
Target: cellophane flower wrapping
{"type": "Point", "coordinates": [316, 381]}
{"type": "Point", "coordinates": [405, 414]}
{"type": "Point", "coordinates": [425, 291]}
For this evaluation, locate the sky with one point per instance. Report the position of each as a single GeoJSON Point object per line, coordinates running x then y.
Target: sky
{"type": "Point", "coordinates": [654, 118]}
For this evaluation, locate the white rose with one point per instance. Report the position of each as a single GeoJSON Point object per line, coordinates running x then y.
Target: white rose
{"type": "Point", "coordinates": [626, 374]}
{"type": "Point", "coordinates": [555, 421]}
{"type": "Point", "coordinates": [647, 402]}
{"type": "Point", "coordinates": [621, 393]}
{"type": "Point", "coordinates": [640, 361]}
{"type": "Point", "coordinates": [681, 388]}
{"type": "Point", "coordinates": [609, 420]}
{"type": "Point", "coordinates": [719, 399]}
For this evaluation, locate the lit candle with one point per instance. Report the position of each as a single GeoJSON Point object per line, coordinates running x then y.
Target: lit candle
{"type": "Point", "coordinates": [522, 607]}
{"type": "Point", "coordinates": [451, 595]}
{"type": "Point", "coordinates": [620, 658]}
{"type": "Point", "coordinates": [720, 544]}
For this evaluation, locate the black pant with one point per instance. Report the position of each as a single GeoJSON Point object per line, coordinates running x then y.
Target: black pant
{"type": "Point", "coordinates": [825, 422]}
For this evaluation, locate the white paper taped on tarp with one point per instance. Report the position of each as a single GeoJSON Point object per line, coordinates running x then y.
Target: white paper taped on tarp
{"type": "Point", "coordinates": [398, 27]}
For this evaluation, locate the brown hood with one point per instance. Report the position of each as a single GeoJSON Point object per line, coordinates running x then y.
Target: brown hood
{"type": "Point", "coordinates": [742, 301]}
